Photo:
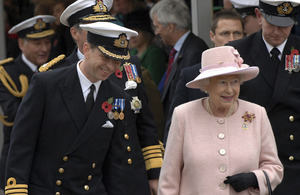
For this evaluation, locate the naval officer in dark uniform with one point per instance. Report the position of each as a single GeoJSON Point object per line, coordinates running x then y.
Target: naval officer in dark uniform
{"type": "Point", "coordinates": [142, 156]}
{"type": "Point", "coordinates": [65, 140]}
{"type": "Point", "coordinates": [15, 75]}
{"type": "Point", "coordinates": [275, 51]}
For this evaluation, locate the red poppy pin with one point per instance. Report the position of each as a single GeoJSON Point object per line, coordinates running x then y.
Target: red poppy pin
{"type": "Point", "coordinates": [119, 73]}
{"type": "Point", "coordinates": [107, 106]}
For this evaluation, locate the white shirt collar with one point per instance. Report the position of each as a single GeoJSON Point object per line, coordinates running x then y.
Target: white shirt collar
{"type": "Point", "coordinates": [180, 42]}
{"type": "Point", "coordinates": [279, 47]}
{"type": "Point", "coordinates": [86, 83]}
{"type": "Point", "coordinates": [79, 55]}
{"type": "Point", "coordinates": [33, 67]}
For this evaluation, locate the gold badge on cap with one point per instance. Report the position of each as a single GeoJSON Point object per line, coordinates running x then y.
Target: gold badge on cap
{"type": "Point", "coordinates": [121, 42]}
{"type": "Point", "coordinates": [100, 7]}
{"type": "Point", "coordinates": [285, 8]}
{"type": "Point", "coordinates": [40, 24]}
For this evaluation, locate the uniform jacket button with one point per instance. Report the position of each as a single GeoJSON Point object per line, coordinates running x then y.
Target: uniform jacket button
{"type": "Point", "coordinates": [291, 118]}
{"type": "Point", "coordinates": [90, 177]}
{"type": "Point", "coordinates": [94, 165]}
{"type": "Point", "coordinates": [61, 170]}
{"type": "Point", "coordinates": [128, 149]}
{"type": "Point", "coordinates": [129, 161]}
{"type": "Point", "coordinates": [65, 158]}
{"type": "Point", "coordinates": [58, 182]}
{"type": "Point", "coordinates": [57, 193]}
{"type": "Point", "coordinates": [126, 136]}
{"type": "Point", "coordinates": [291, 158]}
{"type": "Point", "coordinates": [86, 187]}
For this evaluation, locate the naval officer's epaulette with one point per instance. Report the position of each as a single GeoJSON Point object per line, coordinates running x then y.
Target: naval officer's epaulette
{"type": "Point", "coordinates": [5, 61]}
{"type": "Point", "coordinates": [7, 81]}
{"type": "Point", "coordinates": [53, 62]}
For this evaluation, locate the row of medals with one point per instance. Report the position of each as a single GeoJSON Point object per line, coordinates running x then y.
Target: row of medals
{"type": "Point", "coordinates": [115, 115]}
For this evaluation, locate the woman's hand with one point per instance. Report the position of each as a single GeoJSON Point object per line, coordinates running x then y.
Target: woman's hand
{"type": "Point", "coordinates": [242, 181]}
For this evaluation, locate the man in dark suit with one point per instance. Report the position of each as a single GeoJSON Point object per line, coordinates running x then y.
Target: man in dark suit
{"type": "Point", "coordinates": [142, 156]}
{"type": "Point", "coordinates": [227, 26]}
{"type": "Point", "coordinates": [172, 22]}
{"type": "Point", "coordinates": [15, 75]}
{"type": "Point", "coordinates": [277, 85]}
{"type": "Point", "coordinates": [63, 142]}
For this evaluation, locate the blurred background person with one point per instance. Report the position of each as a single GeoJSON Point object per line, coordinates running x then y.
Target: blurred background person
{"type": "Point", "coordinates": [35, 44]}
{"type": "Point", "coordinates": [62, 41]}
{"type": "Point", "coordinates": [150, 55]}
{"type": "Point", "coordinates": [227, 25]}
{"type": "Point", "coordinates": [122, 7]}
{"type": "Point", "coordinates": [247, 10]}
{"type": "Point", "coordinates": [172, 22]}
{"type": "Point", "coordinates": [241, 142]}
{"type": "Point", "coordinates": [152, 59]}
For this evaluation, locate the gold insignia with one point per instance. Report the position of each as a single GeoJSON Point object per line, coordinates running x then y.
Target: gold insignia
{"type": "Point", "coordinates": [54, 61]}
{"type": "Point", "coordinates": [40, 24]}
{"type": "Point", "coordinates": [14, 188]}
{"type": "Point", "coordinates": [152, 156]}
{"type": "Point", "coordinates": [121, 42]}
{"type": "Point", "coordinates": [100, 7]}
{"type": "Point", "coordinates": [12, 88]}
{"type": "Point", "coordinates": [98, 18]}
{"type": "Point", "coordinates": [285, 8]}
{"type": "Point", "coordinates": [43, 34]}
{"type": "Point", "coordinates": [5, 61]}
{"type": "Point", "coordinates": [120, 57]}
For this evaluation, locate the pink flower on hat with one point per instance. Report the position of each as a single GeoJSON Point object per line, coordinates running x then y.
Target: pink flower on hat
{"type": "Point", "coordinates": [238, 59]}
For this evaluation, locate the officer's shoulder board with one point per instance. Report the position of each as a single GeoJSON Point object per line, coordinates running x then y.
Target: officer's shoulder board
{"type": "Point", "coordinates": [51, 63]}
{"type": "Point", "coordinates": [6, 61]}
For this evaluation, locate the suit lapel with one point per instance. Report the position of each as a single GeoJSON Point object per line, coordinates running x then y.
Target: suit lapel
{"type": "Point", "coordinates": [95, 120]}
{"type": "Point", "coordinates": [283, 77]}
{"type": "Point", "coordinates": [175, 66]}
{"type": "Point", "coordinates": [261, 57]}
{"type": "Point", "coordinates": [73, 97]}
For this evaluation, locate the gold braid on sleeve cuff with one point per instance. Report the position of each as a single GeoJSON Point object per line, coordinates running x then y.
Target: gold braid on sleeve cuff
{"type": "Point", "coordinates": [13, 188]}
{"type": "Point", "coordinates": [152, 156]}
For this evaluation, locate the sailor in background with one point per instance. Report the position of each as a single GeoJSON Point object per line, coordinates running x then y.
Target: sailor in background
{"type": "Point", "coordinates": [276, 52]}
{"type": "Point", "coordinates": [15, 75]}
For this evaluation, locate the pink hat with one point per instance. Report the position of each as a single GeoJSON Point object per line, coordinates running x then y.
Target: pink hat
{"type": "Point", "coordinates": [224, 60]}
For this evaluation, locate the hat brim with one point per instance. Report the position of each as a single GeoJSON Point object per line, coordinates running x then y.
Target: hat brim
{"type": "Point", "coordinates": [279, 20]}
{"type": "Point", "coordinates": [247, 72]}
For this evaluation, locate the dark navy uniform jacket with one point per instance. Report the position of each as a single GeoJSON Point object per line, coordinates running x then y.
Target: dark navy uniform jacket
{"type": "Point", "coordinates": [141, 154]}
{"type": "Point", "coordinates": [280, 95]}
{"type": "Point", "coordinates": [56, 148]}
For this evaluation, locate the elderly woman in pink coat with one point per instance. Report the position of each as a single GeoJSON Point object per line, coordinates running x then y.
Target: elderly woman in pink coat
{"type": "Point", "coordinates": [220, 144]}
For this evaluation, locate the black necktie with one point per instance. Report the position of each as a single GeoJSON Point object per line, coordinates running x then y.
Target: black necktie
{"type": "Point", "coordinates": [90, 99]}
{"type": "Point", "coordinates": [275, 59]}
